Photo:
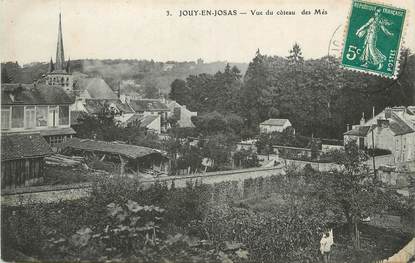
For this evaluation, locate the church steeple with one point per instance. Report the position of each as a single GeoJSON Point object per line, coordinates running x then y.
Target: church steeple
{"type": "Point", "coordinates": [60, 57]}
{"type": "Point", "coordinates": [51, 67]}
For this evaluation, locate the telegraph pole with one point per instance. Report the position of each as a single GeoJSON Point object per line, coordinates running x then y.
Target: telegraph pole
{"type": "Point", "coordinates": [373, 151]}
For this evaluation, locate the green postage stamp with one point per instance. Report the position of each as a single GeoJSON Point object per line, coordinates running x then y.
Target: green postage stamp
{"type": "Point", "coordinates": [373, 39]}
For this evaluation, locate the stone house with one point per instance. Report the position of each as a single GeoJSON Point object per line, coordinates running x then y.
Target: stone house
{"type": "Point", "coordinates": [392, 129]}
{"type": "Point", "coordinates": [274, 125]}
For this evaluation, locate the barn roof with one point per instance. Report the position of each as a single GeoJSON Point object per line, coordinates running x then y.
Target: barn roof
{"type": "Point", "coordinates": [127, 150]}
{"type": "Point", "coordinates": [20, 146]}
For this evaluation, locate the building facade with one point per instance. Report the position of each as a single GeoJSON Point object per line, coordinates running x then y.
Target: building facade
{"type": "Point", "coordinates": [31, 108]}
{"type": "Point", "coordinates": [274, 125]}
{"type": "Point", "coordinates": [393, 129]}
{"type": "Point", "coordinates": [181, 114]}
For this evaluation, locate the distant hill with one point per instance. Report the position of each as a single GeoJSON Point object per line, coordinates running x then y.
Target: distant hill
{"type": "Point", "coordinates": [158, 75]}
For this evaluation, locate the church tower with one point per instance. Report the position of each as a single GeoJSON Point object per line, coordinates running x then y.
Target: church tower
{"type": "Point", "coordinates": [59, 74]}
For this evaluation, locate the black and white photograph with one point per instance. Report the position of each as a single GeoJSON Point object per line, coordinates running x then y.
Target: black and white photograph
{"type": "Point", "coordinates": [271, 131]}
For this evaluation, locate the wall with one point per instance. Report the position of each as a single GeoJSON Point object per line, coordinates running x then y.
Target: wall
{"type": "Point", "coordinates": [233, 184]}
{"type": "Point", "coordinates": [322, 167]}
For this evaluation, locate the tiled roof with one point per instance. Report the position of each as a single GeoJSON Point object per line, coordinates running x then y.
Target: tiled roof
{"type": "Point", "coordinates": [148, 105]}
{"type": "Point", "coordinates": [144, 120]}
{"type": "Point", "coordinates": [127, 150]}
{"type": "Point", "coordinates": [274, 122]}
{"type": "Point", "coordinates": [18, 146]}
{"type": "Point", "coordinates": [94, 106]}
{"type": "Point", "coordinates": [29, 94]}
{"type": "Point", "coordinates": [358, 131]}
{"type": "Point", "coordinates": [398, 126]}
{"type": "Point", "coordinates": [96, 87]}
{"type": "Point", "coordinates": [147, 120]}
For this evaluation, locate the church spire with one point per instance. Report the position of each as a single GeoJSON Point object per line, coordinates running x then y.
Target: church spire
{"type": "Point", "coordinates": [51, 67]}
{"type": "Point", "coordinates": [60, 58]}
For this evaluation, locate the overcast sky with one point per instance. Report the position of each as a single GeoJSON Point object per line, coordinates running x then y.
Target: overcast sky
{"type": "Point", "coordinates": [141, 30]}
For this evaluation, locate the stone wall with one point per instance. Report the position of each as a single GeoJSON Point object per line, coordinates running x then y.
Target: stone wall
{"type": "Point", "coordinates": [232, 184]}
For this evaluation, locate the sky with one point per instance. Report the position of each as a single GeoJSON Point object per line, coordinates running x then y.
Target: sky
{"type": "Point", "coordinates": [141, 29]}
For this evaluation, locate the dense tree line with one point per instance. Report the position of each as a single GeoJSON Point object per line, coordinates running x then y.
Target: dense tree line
{"type": "Point", "coordinates": [317, 95]}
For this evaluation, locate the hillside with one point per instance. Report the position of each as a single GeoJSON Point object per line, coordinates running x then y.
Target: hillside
{"type": "Point", "coordinates": [144, 73]}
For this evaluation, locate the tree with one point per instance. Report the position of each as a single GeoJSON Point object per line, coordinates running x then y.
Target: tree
{"type": "Point", "coordinates": [5, 76]}
{"type": "Point", "coordinates": [256, 99]}
{"type": "Point", "coordinates": [179, 92]}
{"type": "Point", "coordinates": [353, 190]}
{"type": "Point", "coordinates": [150, 90]}
{"type": "Point", "coordinates": [295, 56]}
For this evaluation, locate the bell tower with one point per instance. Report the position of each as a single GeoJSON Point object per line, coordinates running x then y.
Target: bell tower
{"type": "Point", "coordinates": [59, 73]}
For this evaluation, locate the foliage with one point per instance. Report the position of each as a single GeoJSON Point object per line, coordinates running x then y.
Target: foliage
{"type": "Point", "coordinates": [265, 141]}
{"type": "Point", "coordinates": [245, 158]}
{"type": "Point", "coordinates": [104, 127]}
{"type": "Point", "coordinates": [354, 190]}
{"type": "Point", "coordinates": [215, 122]}
{"type": "Point", "coordinates": [179, 91]}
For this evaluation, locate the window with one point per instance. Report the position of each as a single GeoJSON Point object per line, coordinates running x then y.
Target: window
{"type": "Point", "coordinates": [54, 140]}
{"type": "Point", "coordinates": [41, 116]}
{"type": "Point", "coordinates": [63, 115]}
{"type": "Point", "coordinates": [53, 116]}
{"type": "Point", "coordinates": [30, 117]}
{"type": "Point", "coordinates": [17, 117]}
{"type": "Point", "coordinates": [5, 118]}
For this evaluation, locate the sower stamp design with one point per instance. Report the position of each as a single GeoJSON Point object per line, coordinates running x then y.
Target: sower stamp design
{"type": "Point", "coordinates": [373, 38]}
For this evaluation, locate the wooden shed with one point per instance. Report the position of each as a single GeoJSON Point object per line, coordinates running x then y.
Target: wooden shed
{"type": "Point", "coordinates": [22, 159]}
{"type": "Point", "coordinates": [120, 158]}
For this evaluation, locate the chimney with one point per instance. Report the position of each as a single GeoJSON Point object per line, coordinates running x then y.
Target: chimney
{"type": "Point", "coordinates": [119, 90]}
{"type": "Point", "coordinates": [348, 127]}
{"type": "Point", "coordinates": [362, 120]}
{"type": "Point", "coordinates": [388, 113]}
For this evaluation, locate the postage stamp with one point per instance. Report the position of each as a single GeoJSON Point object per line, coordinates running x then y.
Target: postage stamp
{"type": "Point", "coordinates": [373, 39]}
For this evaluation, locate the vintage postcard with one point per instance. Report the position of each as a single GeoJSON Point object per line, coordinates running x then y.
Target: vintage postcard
{"type": "Point", "coordinates": [207, 131]}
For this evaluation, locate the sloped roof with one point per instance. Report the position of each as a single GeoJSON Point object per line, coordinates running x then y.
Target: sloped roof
{"type": "Point", "coordinates": [144, 120]}
{"type": "Point", "coordinates": [127, 150]}
{"type": "Point", "coordinates": [96, 87]}
{"type": "Point", "coordinates": [30, 94]}
{"type": "Point", "coordinates": [148, 105]}
{"type": "Point", "coordinates": [147, 120]}
{"type": "Point", "coordinates": [18, 146]}
{"type": "Point", "coordinates": [94, 106]}
{"type": "Point", "coordinates": [360, 131]}
{"type": "Point", "coordinates": [274, 122]}
{"type": "Point", "coordinates": [398, 126]}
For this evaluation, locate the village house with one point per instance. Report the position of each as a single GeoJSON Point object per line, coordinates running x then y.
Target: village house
{"type": "Point", "coordinates": [22, 159]}
{"type": "Point", "coordinates": [151, 123]}
{"type": "Point", "coordinates": [31, 108]}
{"type": "Point", "coordinates": [274, 125]}
{"type": "Point", "coordinates": [392, 129]}
{"type": "Point", "coordinates": [121, 111]}
{"type": "Point", "coordinates": [181, 114]}
{"type": "Point", "coordinates": [152, 107]}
